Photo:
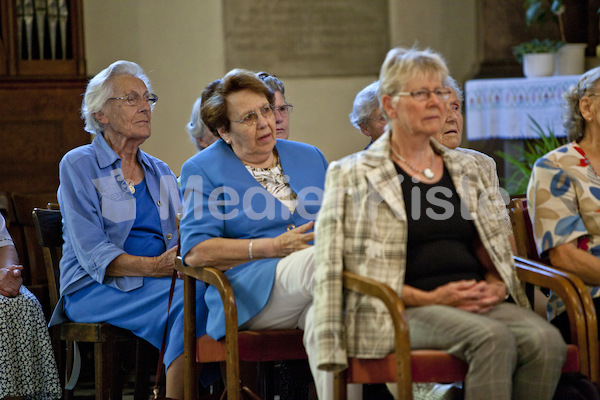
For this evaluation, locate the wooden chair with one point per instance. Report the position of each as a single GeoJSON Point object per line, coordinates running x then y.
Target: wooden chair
{"type": "Point", "coordinates": [523, 230]}
{"type": "Point", "coordinates": [250, 346]}
{"type": "Point", "coordinates": [108, 340]}
{"type": "Point", "coordinates": [415, 365]}
{"type": "Point", "coordinates": [405, 366]}
{"type": "Point", "coordinates": [528, 254]}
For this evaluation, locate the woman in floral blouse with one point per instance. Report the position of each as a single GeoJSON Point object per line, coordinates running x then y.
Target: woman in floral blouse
{"type": "Point", "coordinates": [564, 195]}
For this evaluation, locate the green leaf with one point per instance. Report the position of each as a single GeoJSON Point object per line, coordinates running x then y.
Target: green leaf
{"type": "Point", "coordinates": [545, 142]}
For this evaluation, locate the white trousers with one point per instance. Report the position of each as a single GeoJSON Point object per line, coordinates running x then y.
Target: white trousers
{"type": "Point", "coordinates": [290, 306]}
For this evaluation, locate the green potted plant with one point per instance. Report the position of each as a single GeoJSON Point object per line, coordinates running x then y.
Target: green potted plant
{"type": "Point", "coordinates": [522, 164]}
{"type": "Point", "coordinates": [570, 57]}
{"type": "Point", "coordinates": [537, 56]}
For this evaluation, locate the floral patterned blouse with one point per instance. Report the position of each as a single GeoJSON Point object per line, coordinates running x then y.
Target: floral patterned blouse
{"type": "Point", "coordinates": [564, 202]}
{"type": "Point", "coordinates": [276, 183]}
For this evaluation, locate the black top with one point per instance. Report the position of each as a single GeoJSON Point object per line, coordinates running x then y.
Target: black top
{"type": "Point", "coordinates": [441, 234]}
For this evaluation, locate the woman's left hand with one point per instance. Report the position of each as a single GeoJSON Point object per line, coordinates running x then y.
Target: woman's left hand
{"type": "Point", "coordinates": [491, 294]}
{"type": "Point", "coordinates": [294, 240]}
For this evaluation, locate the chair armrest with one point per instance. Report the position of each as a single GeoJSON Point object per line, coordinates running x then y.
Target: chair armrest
{"type": "Point", "coordinates": [395, 307]}
{"type": "Point", "coordinates": [215, 277]}
{"type": "Point", "coordinates": [579, 307]}
{"type": "Point", "coordinates": [219, 280]}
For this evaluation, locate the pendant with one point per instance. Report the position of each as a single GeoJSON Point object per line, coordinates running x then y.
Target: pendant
{"type": "Point", "coordinates": [428, 173]}
{"type": "Point", "coordinates": [130, 186]}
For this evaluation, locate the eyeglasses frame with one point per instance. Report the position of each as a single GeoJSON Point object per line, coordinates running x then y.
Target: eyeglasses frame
{"type": "Point", "coordinates": [152, 99]}
{"type": "Point", "coordinates": [255, 118]}
{"type": "Point", "coordinates": [437, 92]}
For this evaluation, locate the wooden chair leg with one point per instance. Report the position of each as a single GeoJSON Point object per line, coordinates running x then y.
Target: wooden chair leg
{"type": "Point", "coordinates": [189, 339]}
{"type": "Point", "coordinates": [339, 386]}
{"type": "Point", "coordinates": [103, 362]}
{"type": "Point", "coordinates": [117, 369]}
{"type": "Point", "coordinates": [59, 356]}
{"type": "Point", "coordinates": [142, 370]}
{"type": "Point", "coordinates": [266, 379]}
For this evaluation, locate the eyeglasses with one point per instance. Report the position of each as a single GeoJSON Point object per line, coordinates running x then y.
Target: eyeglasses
{"type": "Point", "coordinates": [251, 118]}
{"type": "Point", "coordinates": [425, 94]}
{"type": "Point", "coordinates": [134, 99]}
{"type": "Point", "coordinates": [285, 109]}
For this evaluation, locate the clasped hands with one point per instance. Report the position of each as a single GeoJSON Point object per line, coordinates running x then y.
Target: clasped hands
{"type": "Point", "coordinates": [470, 295]}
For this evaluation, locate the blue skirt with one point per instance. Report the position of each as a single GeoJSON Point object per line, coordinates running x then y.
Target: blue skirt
{"type": "Point", "coordinates": [142, 311]}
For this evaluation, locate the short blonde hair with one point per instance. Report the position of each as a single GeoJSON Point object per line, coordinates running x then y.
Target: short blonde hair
{"type": "Point", "coordinates": [402, 65]}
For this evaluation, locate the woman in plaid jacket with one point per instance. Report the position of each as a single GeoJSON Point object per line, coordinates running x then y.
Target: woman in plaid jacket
{"type": "Point", "coordinates": [417, 216]}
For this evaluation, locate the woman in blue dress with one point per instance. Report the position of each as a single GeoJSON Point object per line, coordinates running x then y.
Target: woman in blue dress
{"type": "Point", "coordinates": [119, 208]}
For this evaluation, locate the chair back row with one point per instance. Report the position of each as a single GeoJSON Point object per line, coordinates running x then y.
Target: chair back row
{"type": "Point", "coordinates": [48, 226]}
{"type": "Point", "coordinates": [16, 208]}
{"type": "Point", "coordinates": [523, 229]}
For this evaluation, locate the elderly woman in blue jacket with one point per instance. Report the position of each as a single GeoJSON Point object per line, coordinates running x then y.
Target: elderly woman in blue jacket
{"type": "Point", "coordinates": [250, 204]}
{"type": "Point", "coordinates": [119, 208]}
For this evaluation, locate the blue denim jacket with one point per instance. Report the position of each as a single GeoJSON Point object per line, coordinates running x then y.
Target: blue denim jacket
{"type": "Point", "coordinates": [98, 212]}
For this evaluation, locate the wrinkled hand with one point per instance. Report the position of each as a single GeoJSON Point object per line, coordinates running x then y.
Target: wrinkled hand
{"type": "Point", "coordinates": [294, 240]}
{"type": "Point", "coordinates": [470, 295]}
{"type": "Point", "coordinates": [10, 280]}
{"type": "Point", "coordinates": [165, 263]}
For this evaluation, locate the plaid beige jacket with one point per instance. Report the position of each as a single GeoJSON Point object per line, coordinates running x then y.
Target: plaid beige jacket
{"type": "Point", "coordinates": [362, 228]}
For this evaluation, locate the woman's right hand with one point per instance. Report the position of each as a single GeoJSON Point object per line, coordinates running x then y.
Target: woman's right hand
{"type": "Point", "coordinates": [10, 280]}
{"type": "Point", "coordinates": [165, 263]}
{"type": "Point", "coordinates": [294, 240]}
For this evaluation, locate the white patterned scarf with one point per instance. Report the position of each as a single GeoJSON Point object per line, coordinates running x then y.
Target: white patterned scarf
{"type": "Point", "coordinates": [273, 179]}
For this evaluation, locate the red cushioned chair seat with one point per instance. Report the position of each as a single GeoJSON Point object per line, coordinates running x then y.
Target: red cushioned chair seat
{"type": "Point", "coordinates": [255, 346]}
{"type": "Point", "coordinates": [427, 366]}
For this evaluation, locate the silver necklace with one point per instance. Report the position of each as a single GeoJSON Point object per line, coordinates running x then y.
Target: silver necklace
{"type": "Point", "coordinates": [427, 172]}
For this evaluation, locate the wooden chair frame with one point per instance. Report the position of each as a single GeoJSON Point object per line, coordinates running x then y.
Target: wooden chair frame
{"type": "Point", "coordinates": [228, 349]}
{"type": "Point", "coordinates": [105, 337]}
{"type": "Point", "coordinates": [528, 254]}
{"type": "Point", "coordinates": [405, 363]}
{"type": "Point", "coordinates": [391, 368]}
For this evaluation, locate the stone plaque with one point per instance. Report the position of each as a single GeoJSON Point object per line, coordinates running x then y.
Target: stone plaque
{"type": "Point", "coordinates": [307, 37]}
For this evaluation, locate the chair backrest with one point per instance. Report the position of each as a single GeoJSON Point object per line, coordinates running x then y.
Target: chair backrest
{"type": "Point", "coordinates": [523, 230]}
{"type": "Point", "coordinates": [48, 226]}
